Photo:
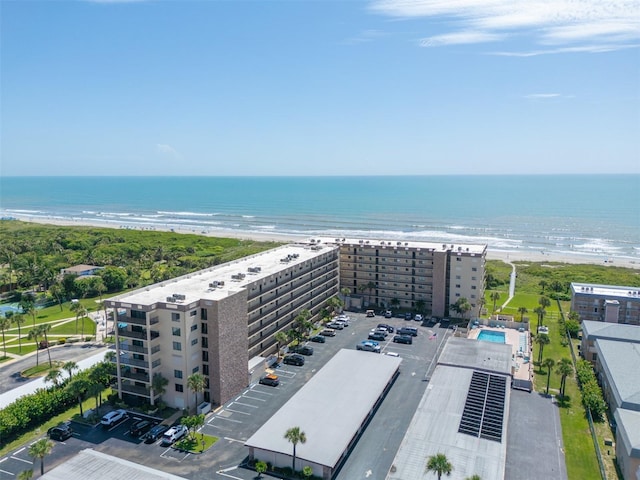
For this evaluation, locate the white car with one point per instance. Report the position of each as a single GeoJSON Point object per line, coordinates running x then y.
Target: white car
{"type": "Point", "coordinates": [419, 318]}
{"type": "Point", "coordinates": [174, 434]}
{"type": "Point", "coordinates": [368, 346]}
{"type": "Point", "coordinates": [113, 417]}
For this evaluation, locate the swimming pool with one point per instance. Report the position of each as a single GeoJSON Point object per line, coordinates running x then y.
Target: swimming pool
{"type": "Point", "coordinates": [491, 336]}
{"type": "Point", "coordinates": [10, 307]}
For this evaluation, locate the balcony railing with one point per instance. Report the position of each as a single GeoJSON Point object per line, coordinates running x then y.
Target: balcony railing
{"type": "Point", "coordinates": [126, 360]}
{"type": "Point", "coordinates": [138, 377]}
{"type": "Point", "coordinates": [139, 335]}
{"type": "Point", "coordinates": [132, 348]}
{"type": "Point", "coordinates": [132, 321]}
{"type": "Point", "coordinates": [135, 389]}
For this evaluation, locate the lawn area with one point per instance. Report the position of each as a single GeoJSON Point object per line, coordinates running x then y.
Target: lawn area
{"type": "Point", "coordinates": [26, 348]}
{"type": "Point", "coordinates": [69, 328]}
{"type": "Point", "coordinates": [195, 445]}
{"type": "Point", "coordinates": [41, 370]}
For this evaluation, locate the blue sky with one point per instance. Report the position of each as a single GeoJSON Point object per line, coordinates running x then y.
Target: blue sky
{"type": "Point", "coordinates": [320, 87]}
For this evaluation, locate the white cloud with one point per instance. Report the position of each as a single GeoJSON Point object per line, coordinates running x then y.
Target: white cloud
{"type": "Point", "coordinates": [614, 23]}
{"type": "Point", "coordinates": [542, 95]}
{"type": "Point", "coordinates": [168, 150]}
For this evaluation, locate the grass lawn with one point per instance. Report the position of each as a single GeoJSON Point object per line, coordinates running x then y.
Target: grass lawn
{"type": "Point", "coordinates": [41, 370]}
{"type": "Point", "coordinates": [69, 328]}
{"type": "Point", "coordinates": [26, 348]}
{"type": "Point", "coordinates": [195, 445]}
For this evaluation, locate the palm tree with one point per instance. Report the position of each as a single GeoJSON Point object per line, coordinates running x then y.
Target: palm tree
{"type": "Point", "coordinates": [548, 364]}
{"type": "Point", "coordinates": [461, 307]}
{"type": "Point", "coordinates": [541, 340]}
{"type": "Point", "coordinates": [28, 306]}
{"type": "Point", "coordinates": [494, 296]}
{"type": "Point", "coordinates": [44, 329]}
{"type": "Point", "coordinates": [158, 385]}
{"type": "Point", "coordinates": [294, 436]}
{"type": "Point", "coordinates": [34, 334]}
{"type": "Point", "coordinates": [473, 477]}
{"type": "Point", "coordinates": [53, 376]}
{"type": "Point", "coordinates": [281, 339]}
{"type": "Point", "coordinates": [439, 464]}
{"type": "Point", "coordinates": [18, 319]}
{"type": "Point", "coordinates": [5, 324]}
{"type": "Point", "coordinates": [544, 302]}
{"type": "Point", "coordinates": [196, 383]}
{"type": "Point", "coordinates": [543, 284]}
{"type": "Point", "coordinates": [80, 311]}
{"type": "Point", "coordinates": [77, 388]}
{"type": "Point", "coordinates": [25, 475]}
{"type": "Point", "coordinates": [57, 291]}
{"type": "Point", "coordinates": [41, 449]}
{"type": "Point", "coordinates": [522, 311]}
{"type": "Point", "coordinates": [110, 356]}
{"type": "Point", "coordinates": [85, 315]}
{"type": "Point", "coordinates": [70, 366]}
{"type": "Point", "coordinates": [420, 305]}
{"type": "Point", "coordinates": [260, 467]}
{"type": "Point", "coordinates": [94, 390]}
{"type": "Point", "coordinates": [541, 312]}
{"type": "Point", "coordinates": [565, 368]}
{"type": "Point", "coordinates": [395, 302]}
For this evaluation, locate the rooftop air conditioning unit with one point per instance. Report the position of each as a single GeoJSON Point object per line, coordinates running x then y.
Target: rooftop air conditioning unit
{"type": "Point", "coordinates": [221, 283]}
{"type": "Point", "coordinates": [170, 300]}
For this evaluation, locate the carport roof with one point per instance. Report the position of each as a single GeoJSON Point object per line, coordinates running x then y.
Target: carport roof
{"type": "Point", "coordinates": [478, 355]}
{"type": "Point", "coordinates": [92, 465]}
{"type": "Point", "coordinates": [330, 408]}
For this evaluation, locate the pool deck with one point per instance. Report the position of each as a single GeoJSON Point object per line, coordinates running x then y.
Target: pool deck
{"type": "Point", "coordinates": [522, 369]}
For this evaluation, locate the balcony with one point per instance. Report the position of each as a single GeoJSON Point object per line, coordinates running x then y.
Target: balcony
{"type": "Point", "coordinates": [139, 335]}
{"type": "Point", "coordinates": [138, 377]}
{"type": "Point", "coordinates": [132, 321]}
{"type": "Point", "coordinates": [135, 389]}
{"type": "Point", "coordinates": [132, 348]}
{"type": "Point", "coordinates": [126, 360]}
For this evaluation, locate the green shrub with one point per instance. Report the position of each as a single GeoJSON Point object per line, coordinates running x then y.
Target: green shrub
{"type": "Point", "coordinates": [62, 341]}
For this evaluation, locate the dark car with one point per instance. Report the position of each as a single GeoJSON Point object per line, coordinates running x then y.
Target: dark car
{"type": "Point", "coordinates": [302, 350]}
{"type": "Point", "coordinates": [294, 359]}
{"type": "Point", "coordinates": [60, 432]}
{"type": "Point", "coordinates": [270, 379]}
{"type": "Point", "coordinates": [318, 339]}
{"type": "Point", "coordinates": [140, 428]}
{"type": "Point", "coordinates": [408, 316]}
{"type": "Point", "coordinates": [389, 328]}
{"type": "Point", "coordinates": [155, 433]}
{"type": "Point", "coordinates": [377, 336]}
{"type": "Point", "coordinates": [408, 331]}
{"type": "Point", "coordinates": [403, 339]}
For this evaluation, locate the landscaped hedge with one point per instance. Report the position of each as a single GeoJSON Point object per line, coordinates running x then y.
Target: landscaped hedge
{"type": "Point", "coordinates": [32, 410]}
{"type": "Point", "coordinates": [591, 392]}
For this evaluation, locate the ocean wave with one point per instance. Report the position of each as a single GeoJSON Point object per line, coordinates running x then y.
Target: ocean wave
{"type": "Point", "coordinates": [187, 214]}
{"type": "Point", "coordinates": [16, 210]}
{"type": "Point", "coordinates": [114, 214]}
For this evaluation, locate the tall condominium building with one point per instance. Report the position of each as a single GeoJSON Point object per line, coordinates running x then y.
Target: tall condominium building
{"type": "Point", "coordinates": [606, 303]}
{"type": "Point", "coordinates": [410, 274]}
{"type": "Point", "coordinates": [216, 321]}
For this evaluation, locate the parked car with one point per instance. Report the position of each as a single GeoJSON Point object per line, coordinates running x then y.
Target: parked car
{"type": "Point", "coordinates": [174, 434]}
{"type": "Point", "coordinates": [408, 331]}
{"type": "Point", "coordinates": [60, 432]}
{"type": "Point", "coordinates": [408, 316]}
{"type": "Point", "coordinates": [328, 332]}
{"type": "Point", "coordinates": [294, 359]}
{"type": "Point", "coordinates": [335, 325]}
{"type": "Point", "coordinates": [368, 346]}
{"type": "Point", "coordinates": [344, 317]}
{"type": "Point", "coordinates": [155, 433]}
{"type": "Point", "coordinates": [302, 350]}
{"type": "Point", "coordinates": [140, 428]}
{"type": "Point", "coordinates": [270, 379]}
{"type": "Point", "coordinates": [318, 339]}
{"type": "Point", "coordinates": [388, 328]}
{"type": "Point", "coordinates": [419, 318]}
{"type": "Point", "coordinates": [403, 339]}
{"type": "Point", "coordinates": [388, 314]}
{"type": "Point", "coordinates": [376, 336]}
{"type": "Point", "coordinates": [383, 331]}
{"type": "Point", "coordinates": [342, 321]}
{"type": "Point", "coordinates": [113, 417]}
{"type": "Point", "coordinates": [371, 313]}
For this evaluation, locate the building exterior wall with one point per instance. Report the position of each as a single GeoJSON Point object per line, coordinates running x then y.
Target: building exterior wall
{"type": "Point", "coordinates": [598, 303]}
{"type": "Point", "coordinates": [629, 466]}
{"type": "Point", "coordinates": [402, 274]}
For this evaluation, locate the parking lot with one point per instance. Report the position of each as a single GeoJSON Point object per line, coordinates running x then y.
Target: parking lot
{"type": "Point", "coordinates": [236, 421]}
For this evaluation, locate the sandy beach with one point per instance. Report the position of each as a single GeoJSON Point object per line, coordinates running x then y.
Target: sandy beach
{"type": "Point", "coordinates": [492, 254]}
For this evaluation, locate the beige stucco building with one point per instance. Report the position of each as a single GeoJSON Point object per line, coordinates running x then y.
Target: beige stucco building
{"type": "Point", "coordinates": [606, 303]}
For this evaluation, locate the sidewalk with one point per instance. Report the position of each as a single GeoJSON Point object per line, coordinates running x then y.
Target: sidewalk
{"type": "Point", "coordinates": [12, 395]}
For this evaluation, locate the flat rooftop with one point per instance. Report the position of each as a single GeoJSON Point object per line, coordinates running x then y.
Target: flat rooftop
{"type": "Point", "coordinates": [628, 422]}
{"type": "Point", "coordinates": [351, 382]}
{"type": "Point", "coordinates": [392, 243]}
{"type": "Point", "coordinates": [605, 290]}
{"type": "Point", "coordinates": [434, 429]}
{"type": "Point", "coordinates": [477, 355]}
{"type": "Point", "coordinates": [611, 331]}
{"type": "Point", "coordinates": [196, 286]}
{"type": "Point", "coordinates": [92, 465]}
{"type": "Point", "coordinates": [622, 361]}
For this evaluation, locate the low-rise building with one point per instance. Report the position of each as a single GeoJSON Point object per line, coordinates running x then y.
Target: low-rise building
{"type": "Point", "coordinates": [606, 303]}
{"type": "Point", "coordinates": [592, 331]}
{"type": "Point", "coordinates": [81, 270]}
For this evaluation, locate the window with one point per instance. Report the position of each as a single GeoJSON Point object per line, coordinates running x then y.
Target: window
{"type": "Point", "coordinates": [205, 356]}
{"type": "Point", "coordinates": [458, 259]}
{"type": "Point", "coordinates": [175, 317]}
{"type": "Point", "coordinates": [205, 369]}
{"type": "Point", "coordinates": [474, 269]}
{"type": "Point", "coordinates": [193, 313]}
{"type": "Point", "coordinates": [179, 387]}
{"type": "Point", "coordinates": [194, 341]}
{"type": "Point", "coordinates": [203, 313]}
{"type": "Point", "coordinates": [204, 328]}
{"type": "Point", "coordinates": [175, 331]}
{"type": "Point", "coordinates": [177, 373]}
{"type": "Point", "coordinates": [138, 314]}
{"type": "Point", "coordinates": [457, 285]}
{"type": "Point", "coordinates": [177, 346]}
{"type": "Point", "coordinates": [205, 342]}
{"type": "Point", "coordinates": [457, 277]}
{"type": "Point", "coordinates": [194, 327]}
{"type": "Point", "coordinates": [195, 369]}
{"type": "Point", "coordinates": [473, 287]}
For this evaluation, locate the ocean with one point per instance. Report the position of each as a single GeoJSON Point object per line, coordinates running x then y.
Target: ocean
{"type": "Point", "coordinates": [564, 214]}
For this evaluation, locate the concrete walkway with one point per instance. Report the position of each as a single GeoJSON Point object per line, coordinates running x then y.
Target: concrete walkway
{"type": "Point", "coordinates": [512, 285]}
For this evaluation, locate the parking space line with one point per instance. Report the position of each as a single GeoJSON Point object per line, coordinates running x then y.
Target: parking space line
{"type": "Point", "coordinates": [237, 411]}
{"type": "Point", "coordinates": [21, 460]}
{"type": "Point", "coordinates": [5, 458]}
{"type": "Point", "coordinates": [234, 440]}
{"type": "Point", "coordinates": [246, 404]}
{"type": "Point", "coordinates": [19, 451]}
{"type": "Point", "coordinates": [223, 418]}
{"type": "Point", "coordinates": [256, 399]}
{"type": "Point", "coordinates": [8, 473]}
{"type": "Point", "coordinates": [261, 391]}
